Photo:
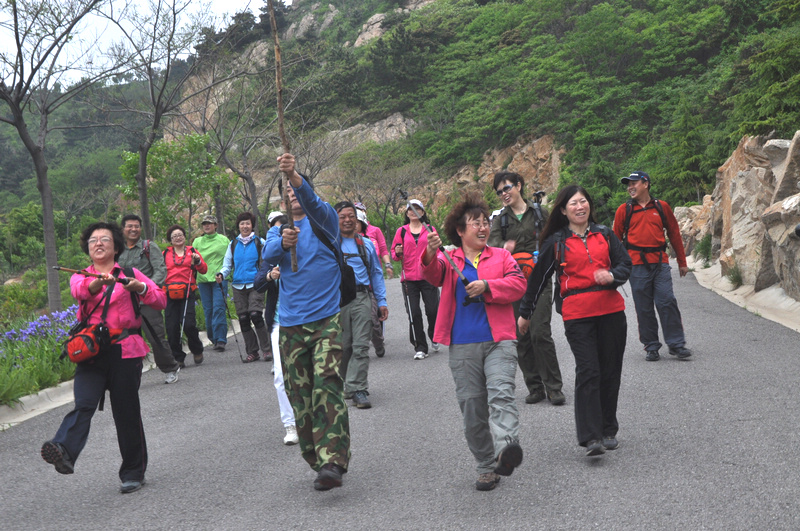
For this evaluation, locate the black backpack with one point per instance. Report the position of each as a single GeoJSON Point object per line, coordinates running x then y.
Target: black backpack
{"type": "Point", "coordinates": [348, 286]}
{"type": "Point", "coordinates": [629, 212]}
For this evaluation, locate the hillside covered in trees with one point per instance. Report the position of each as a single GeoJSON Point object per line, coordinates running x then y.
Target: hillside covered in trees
{"type": "Point", "coordinates": [666, 86]}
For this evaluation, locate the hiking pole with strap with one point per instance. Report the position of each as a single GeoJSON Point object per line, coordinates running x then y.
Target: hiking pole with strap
{"type": "Point", "coordinates": [230, 321]}
{"type": "Point", "coordinates": [407, 300]}
{"type": "Point", "coordinates": [123, 281]}
{"type": "Point", "coordinates": [468, 300]}
{"type": "Point", "coordinates": [188, 292]}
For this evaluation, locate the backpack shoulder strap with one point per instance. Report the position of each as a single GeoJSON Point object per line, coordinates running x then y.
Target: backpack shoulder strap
{"type": "Point", "coordinates": [504, 225]}
{"type": "Point", "coordinates": [362, 252]}
{"type": "Point", "coordinates": [233, 248]}
{"type": "Point", "coordinates": [146, 248]}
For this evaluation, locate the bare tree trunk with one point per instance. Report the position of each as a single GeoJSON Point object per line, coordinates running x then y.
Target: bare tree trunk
{"type": "Point", "coordinates": [48, 220]}
{"type": "Point", "coordinates": [141, 182]}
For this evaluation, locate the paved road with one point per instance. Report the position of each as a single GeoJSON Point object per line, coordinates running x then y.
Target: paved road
{"type": "Point", "coordinates": [709, 443]}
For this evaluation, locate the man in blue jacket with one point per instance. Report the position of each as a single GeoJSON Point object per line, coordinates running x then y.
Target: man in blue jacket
{"type": "Point", "coordinates": [311, 336]}
{"type": "Point", "coordinates": [356, 316]}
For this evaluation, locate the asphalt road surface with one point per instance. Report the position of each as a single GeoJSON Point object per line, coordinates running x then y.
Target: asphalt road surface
{"type": "Point", "coordinates": [709, 443]}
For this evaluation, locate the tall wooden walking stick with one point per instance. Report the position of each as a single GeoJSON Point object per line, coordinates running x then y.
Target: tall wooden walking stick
{"type": "Point", "coordinates": [281, 128]}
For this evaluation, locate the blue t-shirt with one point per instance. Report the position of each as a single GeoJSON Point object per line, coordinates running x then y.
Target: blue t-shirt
{"type": "Point", "coordinates": [470, 325]}
{"type": "Point", "coordinates": [311, 293]}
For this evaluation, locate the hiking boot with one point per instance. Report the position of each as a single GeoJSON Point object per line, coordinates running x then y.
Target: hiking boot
{"type": "Point", "coordinates": [487, 481]}
{"type": "Point", "coordinates": [172, 376]}
{"type": "Point", "coordinates": [251, 358]}
{"type": "Point", "coordinates": [435, 347]}
{"type": "Point", "coordinates": [291, 436]}
{"type": "Point", "coordinates": [328, 477]}
{"type": "Point", "coordinates": [381, 352]}
{"type": "Point", "coordinates": [681, 352]}
{"type": "Point", "coordinates": [652, 355]}
{"type": "Point", "coordinates": [420, 355]}
{"type": "Point", "coordinates": [55, 454]}
{"type": "Point", "coordinates": [556, 397]}
{"type": "Point", "coordinates": [267, 355]}
{"type": "Point", "coordinates": [510, 458]}
{"type": "Point", "coordinates": [130, 486]}
{"type": "Point", "coordinates": [610, 442]}
{"type": "Point", "coordinates": [360, 400]}
{"type": "Point", "coordinates": [595, 448]}
{"type": "Point", "coordinates": [535, 397]}
{"type": "Point", "coordinates": [198, 358]}
{"type": "Point", "coordinates": [220, 346]}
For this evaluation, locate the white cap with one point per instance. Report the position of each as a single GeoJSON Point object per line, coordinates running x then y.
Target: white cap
{"type": "Point", "coordinates": [415, 202]}
{"type": "Point", "coordinates": [362, 217]}
{"type": "Point", "coordinates": [273, 216]}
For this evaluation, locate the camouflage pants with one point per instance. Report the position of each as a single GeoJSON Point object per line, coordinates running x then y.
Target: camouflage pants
{"type": "Point", "coordinates": [311, 354]}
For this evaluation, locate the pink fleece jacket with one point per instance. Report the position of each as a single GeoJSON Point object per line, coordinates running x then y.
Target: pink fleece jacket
{"type": "Point", "coordinates": [412, 252]}
{"type": "Point", "coordinates": [506, 285]}
{"type": "Point", "coordinates": [120, 309]}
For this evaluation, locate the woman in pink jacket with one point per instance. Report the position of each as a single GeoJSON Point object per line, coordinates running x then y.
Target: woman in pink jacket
{"type": "Point", "coordinates": [118, 367]}
{"type": "Point", "coordinates": [477, 321]}
{"type": "Point", "coordinates": [408, 246]}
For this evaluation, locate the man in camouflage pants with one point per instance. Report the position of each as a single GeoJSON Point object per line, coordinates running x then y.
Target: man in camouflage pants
{"type": "Point", "coordinates": [310, 334]}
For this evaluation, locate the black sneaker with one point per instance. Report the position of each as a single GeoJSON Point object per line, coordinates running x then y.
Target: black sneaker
{"type": "Point", "coordinates": [510, 458]}
{"type": "Point", "coordinates": [131, 486]}
{"type": "Point", "coordinates": [55, 454]}
{"type": "Point", "coordinates": [328, 477]}
{"type": "Point", "coordinates": [595, 448]}
{"type": "Point", "coordinates": [652, 355]}
{"type": "Point", "coordinates": [681, 352]}
{"type": "Point", "coordinates": [360, 400]}
{"type": "Point", "coordinates": [535, 397]}
{"type": "Point", "coordinates": [610, 442]}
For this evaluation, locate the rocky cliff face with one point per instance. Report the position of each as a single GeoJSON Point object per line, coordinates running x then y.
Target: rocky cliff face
{"type": "Point", "coordinates": [752, 213]}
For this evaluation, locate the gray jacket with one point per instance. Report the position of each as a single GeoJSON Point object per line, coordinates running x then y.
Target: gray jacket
{"type": "Point", "coordinates": [153, 267]}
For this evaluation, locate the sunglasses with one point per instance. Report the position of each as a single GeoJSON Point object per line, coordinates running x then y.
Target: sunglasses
{"type": "Point", "coordinates": [504, 190]}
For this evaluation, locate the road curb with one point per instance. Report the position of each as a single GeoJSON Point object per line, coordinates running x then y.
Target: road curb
{"type": "Point", "coordinates": [53, 397]}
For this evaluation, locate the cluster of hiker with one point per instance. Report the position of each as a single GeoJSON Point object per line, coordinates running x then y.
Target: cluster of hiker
{"type": "Point", "coordinates": [494, 313]}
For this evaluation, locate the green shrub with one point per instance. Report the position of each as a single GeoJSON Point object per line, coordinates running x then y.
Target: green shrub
{"type": "Point", "coordinates": [734, 275]}
{"type": "Point", "coordinates": [703, 249]}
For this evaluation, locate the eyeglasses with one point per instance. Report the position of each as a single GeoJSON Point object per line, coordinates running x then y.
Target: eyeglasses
{"type": "Point", "coordinates": [504, 190]}
{"type": "Point", "coordinates": [177, 236]}
{"type": "Point", "coordinates": [478, 225]}
{"type": "Point", "coordinates": [132, 227]}
{"type": "Point", "coordinates": [103, 239]}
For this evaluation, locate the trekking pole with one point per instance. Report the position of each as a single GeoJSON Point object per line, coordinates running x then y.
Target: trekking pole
{"type": "Point", "coordinates": [230, 321]}
{"type": "Point", "coordinates": [188, 292]}
{"type": "Point", "coordinates": [407, 300]}
{"type": "Point", "coordinates": [123, 281]}
{"type": "Point", "coordinates": [467, 300]}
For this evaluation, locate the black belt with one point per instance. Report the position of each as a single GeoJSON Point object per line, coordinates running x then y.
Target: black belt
{"type": "Point", "coordinates": [362, 287]}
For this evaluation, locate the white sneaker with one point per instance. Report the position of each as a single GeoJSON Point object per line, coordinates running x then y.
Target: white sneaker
{"type": "Point", "coordinates": [420, 355]}
{"type": "Point", "coordinates": [172, 377]}
{"type": "Point", "coordinates": [435, 347]}
{"type": "Point", "coordinates": [291, 436]}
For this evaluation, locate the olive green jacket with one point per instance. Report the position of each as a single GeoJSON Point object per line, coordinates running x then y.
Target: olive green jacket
{"type": "Point", "coordinates": [522, 231]}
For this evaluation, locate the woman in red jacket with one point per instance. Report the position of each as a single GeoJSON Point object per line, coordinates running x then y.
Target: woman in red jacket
{"type": "Point", "coordinates": [182, 265]}
{"type": "Point", "coordinates": [481, 335]}
{"type": "Point", "coordinates": [589, 262]}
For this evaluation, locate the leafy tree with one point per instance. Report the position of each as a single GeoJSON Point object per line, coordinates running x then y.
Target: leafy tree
{"type": "Point", "coordinates": [45, 53]}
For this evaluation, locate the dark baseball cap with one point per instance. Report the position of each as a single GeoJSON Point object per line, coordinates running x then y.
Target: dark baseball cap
{"type": "Point", "coordinates": [636, 176]}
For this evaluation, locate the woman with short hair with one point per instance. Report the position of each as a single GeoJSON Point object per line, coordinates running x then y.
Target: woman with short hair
{"type": "Point", "coordinates": [242, 261]}
{"type": "Point", "coordinates": [477, 321]}
{"type": "Point", "coordinates": [118, 367]}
